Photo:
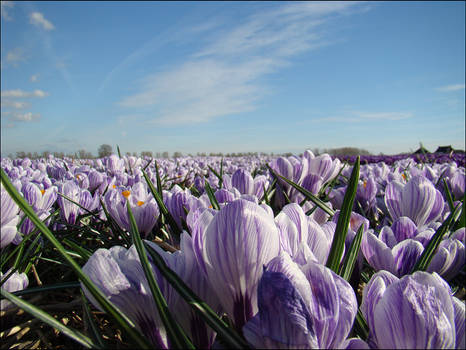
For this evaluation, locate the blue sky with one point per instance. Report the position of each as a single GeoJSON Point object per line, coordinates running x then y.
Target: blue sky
{"type": "Point", "coordinates": [232, 77]}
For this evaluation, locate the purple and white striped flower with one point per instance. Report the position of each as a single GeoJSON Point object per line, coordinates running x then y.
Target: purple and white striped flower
{"type": "Point", "coordinates": [119, 275]}
{"type": "Point", "coordinates": [9, 218]}
{"type": "Point", "coordinates": [418, 199]}
{"type": "Point", "coordinates": [17, 281]}
{"type": "Point", "coordinates": [302, 307]}
{"type": "Point", "coordinates": [231, 251]}
{"type": "Point", "coordinates": [414, 312]}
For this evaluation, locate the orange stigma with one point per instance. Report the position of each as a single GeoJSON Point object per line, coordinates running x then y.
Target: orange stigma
{"type": "Point", "coordinates": [126, 194]}
{"type": "Point", "coordinates": [42, 191]}
{"type": "Point", "coordinates": [140, 203]}
{"type": "Point", "coordinates": [404, 176]}
{"type": "Point", "coordinates": [365, 183]}
{"type": "Point", "coordinates": [114, 186]}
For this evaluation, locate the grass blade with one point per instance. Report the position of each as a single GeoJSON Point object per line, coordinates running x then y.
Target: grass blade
{"type": "Point", "coordinates": [336, 251]}
{"type": "Point", "coordinates": [426, 257]}
{"type": "Point", "coordinates": [220, 182]}
{"type": "Point", "coordinates": [121, 319]}
{"type": "Point", "coordinates": [175, 333]}
{"type": "Point", "coordinates": [211, 195]}
{"type": "Point", "coordinates": [351, 255]}
{"type": "Point", "coordinates": [216, 174]}
{"type": "Point", "coordinates": [360, 326]}
{"type": "Point", "coordinates": [163, 208]}
{"type": "Point", "coordinates": [85, 254]}
{"type": "Point", "coordinates": [305, 192]}
{"type": "Point", "coordinates": [119, 153]}
{"type": "Point", "coordinates": [159, 183]}
{"type": "Point", "coordinates": [448, 195]}
{"type": "Point", "coordinates": [51, 321]}
{"type": "Point", "coordinates": [227, 334]}
{"type": "Point", "coordinates": [90, 320]}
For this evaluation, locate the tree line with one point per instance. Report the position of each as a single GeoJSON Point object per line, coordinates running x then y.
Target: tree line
{"type": "Point", "coordinates": [106, 150]}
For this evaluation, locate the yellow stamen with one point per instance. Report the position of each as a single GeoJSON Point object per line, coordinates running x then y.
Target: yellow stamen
{"type": "Point", "coordinates": [365, 183]}
{"type": "Point", "coordinates": [77, 176]}
{"type": "Point", "coordinates": [404, 176]}
{"type": "Point", "coordinates": [114, 186]}
{"type": "Point", "coordinates": [126, 194]}
{"type": "Point", "coordinates": [140, 203]}
{"type": "Point", "coordinates": [42, 191]}
{"type": "Point", "coordinates": [210, 206]}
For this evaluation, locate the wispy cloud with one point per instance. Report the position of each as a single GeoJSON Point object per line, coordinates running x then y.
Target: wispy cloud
{"type": "Point", "coordinates": [224, 76]}
{"type": "Point", "coordinates": [11, 119]}
{"type": "Point", "coordinates": [25, 117]}
{"type": "Point", "coordinates": [5, 6]}
{"type": "Point", "coordinates": [34, 78]}
{"type": "Point", "coordinates": [18, 93]}
{"type": "Point", "coordinates": [453, 87]}
{"type": "Point", "coordinates": [38, 19]}
{"type": "Point", "coordinates": [15, 104]}
{"type": "Point", "coordinates": [15, 56]}
{"type": "Point", "coordinates": [359, 117]}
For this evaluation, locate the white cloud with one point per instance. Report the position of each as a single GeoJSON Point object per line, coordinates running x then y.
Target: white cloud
{"type": "Point", "coordinates": [361, 117]}
{"type": "Point", "coordinates": [384, 115]}
{"type": "Point", "coordinates": [14, 104]}
{"type": "Point", "coordinates": [5, 6]}
{"type": "Point", "coordinates": [38, 19]}
{"type": "Point", "coordinates": [18, 93]}
{"type": "Point", "coordinates": [15, 56]}
{"type": "Point", "coordinates": [34, 78]}
{"type": "Point", "coordinates": [454, 87]}
{"type": "Point", "coordinates": [224, 77]}
{"type": "Point", "coordinates": [25, 117]}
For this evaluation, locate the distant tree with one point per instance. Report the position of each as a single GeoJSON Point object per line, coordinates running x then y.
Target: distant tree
{"type": "Point", "coordinates": [45, 154]}
{"type": "Point", "coordinates": [83, 154]}
{"type": "Point", "coordinates": [146, 154]}
{"type": "Point", "coordinates": [135, 154]}
{"type": "Point", "coordinates": [20, 154]}
{"type": "Point", "coordinates": [158, 155]}
{"type": "Point", "coordinates": [104, 150]}
{"type": "Point", "coordinates": [58, 154]}
{"type": "Point", "coordinates": [177, 154]}
{"type": "Point", "coordinates": [165, 154]}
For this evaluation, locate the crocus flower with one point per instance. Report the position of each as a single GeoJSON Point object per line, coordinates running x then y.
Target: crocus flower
{"type": "Point", "coordinates": [184, 264]}
{"type": "Point", "coordinates": [418, 199]}
{"type": "Point", "coordinates": [9, 218]}
{"type": "Point", "coordinates": [296, 227]}
{"type": "Point", "coordinates": [41, 200]}
{"type": "Point", "coordinates": [17, 281]}
{"type": "Point", "coordinates": [398, 248]}
{"type": "Point", "coordinates": [414, 312]}
{"type": "Point", "coordinates": [231, 251]}
{"type": "Point", "coordinates": [143, 205]}
{"type": "Point", "coordinates": [301, 307]}
{"type": "Point", "coordinates": [119, 275]}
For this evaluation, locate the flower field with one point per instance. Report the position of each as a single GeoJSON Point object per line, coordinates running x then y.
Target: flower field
{"type": "Point", "coordinates": [307, 251]}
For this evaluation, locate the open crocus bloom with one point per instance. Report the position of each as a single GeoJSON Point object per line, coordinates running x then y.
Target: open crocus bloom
{"type": "Point", "coordinates": [397, 249]}
{"type": "Point", "coordinates": [416, 311]}
{"type": "Point", "coordinates": [145, 210]}
{"type": "Point", "coordinates": [418, 199]}
{"type": "Point", "coordinates": [296, 227]}
{"type": "Point", "coordinates": [16, 282]}
{"type": "Point", "coordinates": [231, 247]}
{"type": "Point", "coordinates": [119, 275]}
{"type": "Point", "coordinates": [302, 307]}
{"type": "Point", "coordinates": [9, 218]}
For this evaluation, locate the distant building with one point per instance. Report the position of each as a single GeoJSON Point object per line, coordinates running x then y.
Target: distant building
{"type": "Point", "coordinates": [421, 150]}
{"type": "Point", "coordinates": [444, 149]}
